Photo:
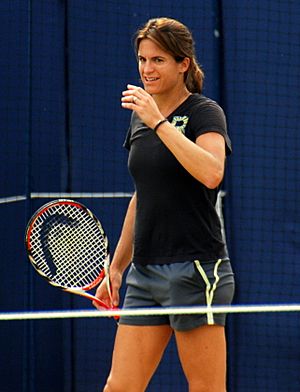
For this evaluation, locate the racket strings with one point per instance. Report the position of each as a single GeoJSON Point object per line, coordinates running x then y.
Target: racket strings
{"type": "Point", "coordinates": [71, 259]}
{"type": "Point", "coordinates": [68, 246]}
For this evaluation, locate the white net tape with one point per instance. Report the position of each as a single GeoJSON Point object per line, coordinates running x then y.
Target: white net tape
{"type": "Point", "coordinates": [39, 315]}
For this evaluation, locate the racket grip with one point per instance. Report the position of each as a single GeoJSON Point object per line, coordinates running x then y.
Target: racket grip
{"type": "Point", "coordinates": [116, 317]}
{"type": "Point", "coordinates": [105, 306]}
{"type": "Point", "coordinates": [93, 298]}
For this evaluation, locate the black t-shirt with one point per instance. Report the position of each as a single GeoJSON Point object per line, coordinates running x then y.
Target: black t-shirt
{"type": "Point", "coordinates": [176, 219]}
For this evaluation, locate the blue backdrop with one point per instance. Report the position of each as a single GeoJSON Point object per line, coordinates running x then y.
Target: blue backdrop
{"type": "Point", "coordinates": [63, 66]}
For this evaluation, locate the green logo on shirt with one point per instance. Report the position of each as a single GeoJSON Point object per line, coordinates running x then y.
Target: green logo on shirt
{"type": "Point", "coordinates": [180, 122]}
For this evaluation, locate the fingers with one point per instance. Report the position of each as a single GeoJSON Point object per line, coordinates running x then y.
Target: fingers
{"type": "Point", "coordinates": [113, 291]}
{"type": "Point", "coordinates": [116, 282]}
{"type": "Point", "coordinates": [100, 304]}
{"type": "Point", "coordinates": [137, 99]}
{"type": "Point", "coordinates": [103, 303]}
{"type": "Point", "coordinates": [136, 90]}
{"type": "Point", "coordinates": [115, 298]}
{"type": "Point", "coordinates": [110, 299]}
{"type": "Point", "coordinates": [133, 96]}
{"type": "Point", "coordinates": [103, 296]}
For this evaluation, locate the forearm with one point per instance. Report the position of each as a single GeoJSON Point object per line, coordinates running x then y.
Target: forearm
{"type": "Point", "coordinates": [204, 160]}
{"type": "Point", "coordinates": [124, 250]}
{"type": "Point", "coordinates": [200, 163]}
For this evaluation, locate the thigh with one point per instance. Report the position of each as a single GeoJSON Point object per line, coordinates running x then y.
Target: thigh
{"type": "Point", "coordinates": [202, 352]}
{"type": "Point", "coordinates": [137, 353]}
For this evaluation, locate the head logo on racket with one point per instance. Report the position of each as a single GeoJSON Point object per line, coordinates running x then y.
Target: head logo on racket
{"type": "Point", "coordinates": [66, 244]}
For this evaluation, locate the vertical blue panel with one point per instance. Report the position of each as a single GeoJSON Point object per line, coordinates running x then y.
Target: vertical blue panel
{"type": "Point", "coordinates": [14, 94]}
{"type": "Point", "coordinates": [48, 135]}
{"type": "Point", "coordinates": [14, 88]}
{"type": "Point", "coordinates": [261, 66]}
{"type": "Point", "coordinates": [48, 172]}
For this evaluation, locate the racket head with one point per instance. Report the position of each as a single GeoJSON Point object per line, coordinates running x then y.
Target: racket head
{"type": "Point", "coordinates": [67, 245]}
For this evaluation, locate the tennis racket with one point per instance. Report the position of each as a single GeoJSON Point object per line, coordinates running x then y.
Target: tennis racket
{"type": "Point", "coordinates": [66, 244]}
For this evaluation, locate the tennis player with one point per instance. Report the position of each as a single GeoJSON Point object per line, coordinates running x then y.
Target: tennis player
{"type": "Point", "coordinates": [177, 142]}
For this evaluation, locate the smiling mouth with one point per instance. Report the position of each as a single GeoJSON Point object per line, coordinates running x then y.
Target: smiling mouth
{"type": "Point", "coordinates": [150, 79]}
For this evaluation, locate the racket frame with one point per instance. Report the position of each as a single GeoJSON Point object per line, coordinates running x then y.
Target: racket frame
{"type": "Point", "coordinates": [104, 274]}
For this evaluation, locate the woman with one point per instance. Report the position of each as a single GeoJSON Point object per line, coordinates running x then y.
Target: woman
{"type": "Point", "coordinates": [177, 144]}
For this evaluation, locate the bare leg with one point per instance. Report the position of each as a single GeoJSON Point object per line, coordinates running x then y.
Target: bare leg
{"type": "Point", "coordinates": [137, 353]}
{"type": "Point", "coordinates": [202, 353]}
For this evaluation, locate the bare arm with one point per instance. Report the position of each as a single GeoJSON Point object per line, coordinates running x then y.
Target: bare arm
{"type": "Point", "coordinates": [204, 159]}
{"type": "Point", "coordinates": [123, 253]}
{"type": "Point", "coordinates": [122, 257]}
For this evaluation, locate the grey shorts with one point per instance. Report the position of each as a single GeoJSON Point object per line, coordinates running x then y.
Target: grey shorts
{"type": "Point", "coordinates": [188, 283]}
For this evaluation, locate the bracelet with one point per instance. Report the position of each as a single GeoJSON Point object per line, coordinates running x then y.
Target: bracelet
{"type": "Point", "coordinates": [159, 124]}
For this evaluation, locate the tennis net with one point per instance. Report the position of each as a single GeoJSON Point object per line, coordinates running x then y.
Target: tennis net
{"type": "Point", "coordinates": [96, 338]}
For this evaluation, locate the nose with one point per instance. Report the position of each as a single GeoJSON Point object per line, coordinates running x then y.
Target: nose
{"type": "Point", "coordinates": [148, 66]}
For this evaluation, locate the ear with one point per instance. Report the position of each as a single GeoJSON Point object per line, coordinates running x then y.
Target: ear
{"type": "Point", "coordinates": [185, 64]}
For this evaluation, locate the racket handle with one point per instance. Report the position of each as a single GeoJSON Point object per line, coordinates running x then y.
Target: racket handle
{"type": "Point", "coordinates": [91, 297]}
{"type": "Point", "coordinates": [105, 306]}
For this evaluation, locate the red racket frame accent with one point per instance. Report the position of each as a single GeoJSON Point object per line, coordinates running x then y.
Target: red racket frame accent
{"type": "Point", "coordinates": [82, 291]}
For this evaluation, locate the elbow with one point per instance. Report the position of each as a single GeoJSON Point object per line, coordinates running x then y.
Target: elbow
{"type": "Point", "coordinates": [213, 179]}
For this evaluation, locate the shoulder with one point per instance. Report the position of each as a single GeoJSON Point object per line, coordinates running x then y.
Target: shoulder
{"type": "Point", "coordinates": [199, 113]}
{"type": "Point", "coordinates": [201, 103]}
{"type": "Point", "coordinates": [206, 115]}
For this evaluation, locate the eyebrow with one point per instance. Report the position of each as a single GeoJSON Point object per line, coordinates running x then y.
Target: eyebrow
{"type": "Point", "coordinates": [153, 57]}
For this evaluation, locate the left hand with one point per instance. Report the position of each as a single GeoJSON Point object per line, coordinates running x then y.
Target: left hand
{"type": "Point", "coordinates": [103, 294]}
{"type": "Point", "coordinates": [137, 99]}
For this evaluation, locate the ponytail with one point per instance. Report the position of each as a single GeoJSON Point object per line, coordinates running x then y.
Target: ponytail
{"type": "Point", "coordinates": [194, 77]}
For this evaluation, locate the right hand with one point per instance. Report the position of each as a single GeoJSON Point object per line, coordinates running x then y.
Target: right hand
{"type": "Point", "coordinates": [102, 292]}
{"type": "Point", "coordinates": [138, 99]}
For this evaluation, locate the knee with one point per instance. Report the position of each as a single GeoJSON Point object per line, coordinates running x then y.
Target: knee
{"type": "Point", "coordinates": [109, 387]}
{"type": "Point", "coordinates": [115, 386]}
{"type": "Point", "coordinates": [203, 387]}
{"type": "Point", "coordinates": [112, 387]}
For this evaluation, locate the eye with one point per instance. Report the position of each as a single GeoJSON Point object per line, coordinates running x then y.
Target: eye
{"type": "Point", "coordinates": [141, 59]}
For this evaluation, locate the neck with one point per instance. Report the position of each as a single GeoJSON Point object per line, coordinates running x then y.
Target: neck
{"type": "Point", "coordinates": [167, 103]}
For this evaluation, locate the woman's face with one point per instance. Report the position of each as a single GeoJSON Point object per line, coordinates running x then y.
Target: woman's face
{"type": "Point", "coordinates": [159, 72]}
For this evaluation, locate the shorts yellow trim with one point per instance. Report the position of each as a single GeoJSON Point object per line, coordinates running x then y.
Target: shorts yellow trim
{"type": "Point", "coordinates": [210, 289]}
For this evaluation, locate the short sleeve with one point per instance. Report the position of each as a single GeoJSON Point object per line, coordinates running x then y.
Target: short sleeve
{"type": "Point", "coordinates": [127, 141]}
{"type": "Point", "coordinates": [209, 117]}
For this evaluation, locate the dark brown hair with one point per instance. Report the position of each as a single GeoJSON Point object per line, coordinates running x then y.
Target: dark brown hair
{"type": "Point", "coordinates": [176, 39]}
